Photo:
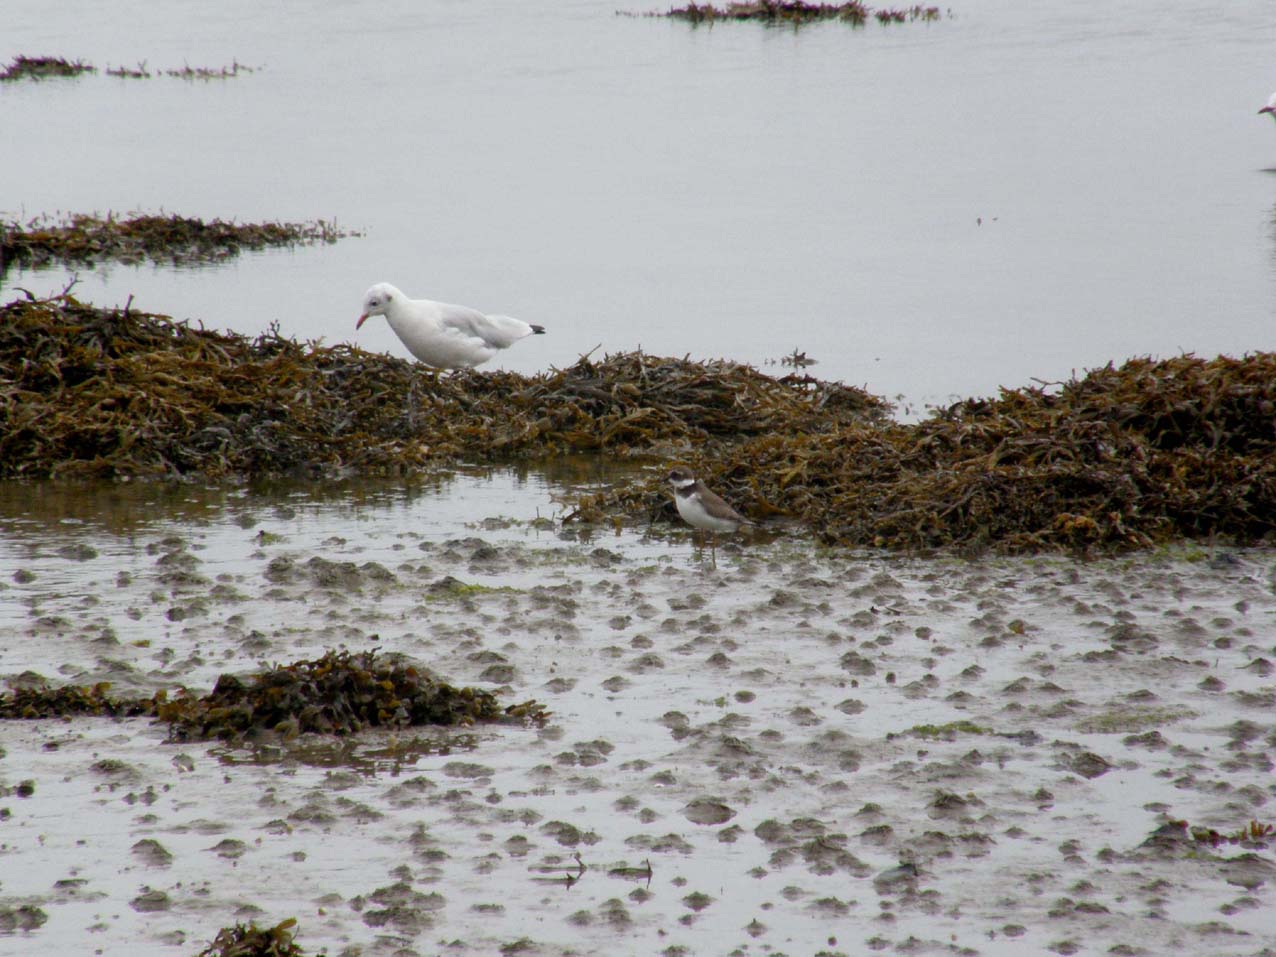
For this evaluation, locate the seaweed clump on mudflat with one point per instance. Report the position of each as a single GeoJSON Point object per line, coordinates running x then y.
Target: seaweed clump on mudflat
{"type": "Point", "coordinates": [249, 940]}
{"type": "Point", "coordinates": [338, 694]}
{"type": "Point", "coordinates": [1145, 454]}
{"type": "Point", "coordinates": [798, 11]}
{"type": "Point", "coordinates": [91, 392]}
{"type": "Point", "coordinates": [37, 700]}
{"type": "Point", "coordinates": [42, 68]}
{"type": "Point", "coordinates": [86, 239]}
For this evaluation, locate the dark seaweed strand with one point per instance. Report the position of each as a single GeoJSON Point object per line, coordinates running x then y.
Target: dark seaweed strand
{"type": "Point", "coordinates": [88, 239]}
{"type": "Point", "coordinates": [43, 68]}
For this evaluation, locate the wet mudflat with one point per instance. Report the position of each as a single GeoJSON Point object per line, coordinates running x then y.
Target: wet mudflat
{"type": "Point", "coordinates": [797, 751]}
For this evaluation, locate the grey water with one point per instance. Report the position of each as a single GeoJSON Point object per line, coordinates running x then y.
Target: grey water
{"type": "Point", "coordinates": [1012, 193]}
{"type": "Point", "coordinates": [1016, 192]}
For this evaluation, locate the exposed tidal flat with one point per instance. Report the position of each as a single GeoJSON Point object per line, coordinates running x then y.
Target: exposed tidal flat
{"type": "Point", "coordinates": [798, 750]}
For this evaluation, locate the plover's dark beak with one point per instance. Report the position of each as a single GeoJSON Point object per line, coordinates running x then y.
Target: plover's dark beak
{"type": "Point", "coordinates": [1267, 109]}
{"type": "Point", "coordinates": [362, 320]}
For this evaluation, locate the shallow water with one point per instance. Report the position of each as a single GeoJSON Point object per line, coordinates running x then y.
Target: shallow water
{"type": "Point", "coordinates": [755, 733]}
{"type": "Point", "coordinates": [729, 191]}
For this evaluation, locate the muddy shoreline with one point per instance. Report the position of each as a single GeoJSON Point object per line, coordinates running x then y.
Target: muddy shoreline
{"type": "Point", "coordinates": [801, 750]}
{"type": "Point", "coordinates": [1147, 454]}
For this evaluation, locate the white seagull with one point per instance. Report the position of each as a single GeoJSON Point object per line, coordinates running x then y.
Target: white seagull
{"type": "Point", "coordinates": [1270, 108]}
{"type": "Point", "coordinates": [440, 334]}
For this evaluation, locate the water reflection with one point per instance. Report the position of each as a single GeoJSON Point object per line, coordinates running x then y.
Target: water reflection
{"type": "Point", "coordinates": [104, 525]}
{"type": "Point", "coordinates": [126, 508]}
{"type": "Point", "coordinates": [368, 755]}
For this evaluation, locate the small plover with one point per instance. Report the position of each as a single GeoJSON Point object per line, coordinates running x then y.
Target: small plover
{"type": "Point", "coordinates": [440, 334]}
{"type": "Point", "coordinates": [699, 507]}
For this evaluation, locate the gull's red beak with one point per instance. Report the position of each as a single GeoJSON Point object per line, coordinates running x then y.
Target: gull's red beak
{"type": "Point", "coordinates": [362, 320]}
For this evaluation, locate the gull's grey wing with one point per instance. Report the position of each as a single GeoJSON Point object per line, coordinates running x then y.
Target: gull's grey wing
{"type": "Point", "coordinates": [467, 321]}
{"type": "Point", "coordinates": [499, 332]}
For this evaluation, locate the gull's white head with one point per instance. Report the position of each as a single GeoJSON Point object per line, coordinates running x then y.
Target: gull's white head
{"type": "Point", "coordinates": [1270, 108]}
{"type": "Point", "coordinates": [377, 300]}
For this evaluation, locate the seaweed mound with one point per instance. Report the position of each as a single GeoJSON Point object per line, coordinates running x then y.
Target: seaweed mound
{"type": "Point", "coordinates": [85, 239]}
{"type": "Point", "coordinates": [38, 701]}
{"type": "Point", "coordinates": [249, 940]}
{"type": "Point", "coordinates": [1147, 453]}
{"type": "Point", "coordinates": [338, 694]}
{"type": "Point", "coordinates": [1144, 454]}
{"type": "Point", "coordinates": [108, 393]}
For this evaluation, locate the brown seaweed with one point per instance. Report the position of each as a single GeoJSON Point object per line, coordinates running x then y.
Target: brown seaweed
{"type": "Point", "coordinates": [87, 392]}
{"type": "Point", "coordinates": [84, 239]}
{"type": "Point", "coordinates": [187, 72]}
{"type": "Point", "coordinates": [853, 12]}
{"type": "Point", "coordinates": [43, 68]}
{"type": "Point", "coordinates": [1148, 453]}
{"type": "Point", "coordinates": [339, 694]}
{"type": "Point", "coordinates": [249, 940]}
{"type": "Point", "coordinates": [1252, 834]}
{"type": "Point", "coordinates": [46, 67]}
{"type": "Point", "coordinates": [39, 701]}
{"type": "Point", "coordinates": [1145, 454]}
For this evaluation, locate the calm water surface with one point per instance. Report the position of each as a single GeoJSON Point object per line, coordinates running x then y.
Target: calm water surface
{"type": "Point", "coordinates": [730, 191]}
{"type": "Point", "coordinates": [932, 211]}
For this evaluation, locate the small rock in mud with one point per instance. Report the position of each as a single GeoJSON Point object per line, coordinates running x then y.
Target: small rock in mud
{"type": "Point", "coordinates": [78, 552]}
{"type": "Point", "coordinates": [465, 769]}
{"type": "Point", "coordinates": [1090, 765]}
{"type": "Point", "coordinates": [25, 917]}
{"type": "Point", "coordinates": [697, 901]}
{"type": "Point", "coordinates": [231, 849]}
{"type": "Point", "coordinates": [150, 901]}
{"type": "Point", "coordinates": [152, 853]}
{"type": "Point", "coordinates": [115, 769]}
{"type": "Point", "coordinates": [708, 811]}
{"type": "Point", "coordinates": [889, 881]}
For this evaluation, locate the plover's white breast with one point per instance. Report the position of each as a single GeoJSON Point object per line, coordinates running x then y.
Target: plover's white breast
{"type": "Point", "coordinates": [694, 513]}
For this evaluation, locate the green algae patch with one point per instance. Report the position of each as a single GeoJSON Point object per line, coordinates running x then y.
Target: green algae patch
{"type": "Point", "coordinates": [42, 68]}
{"type": "Point", "coordinates": [946, 732]}
{"type": "Point", "coordinates": [87, 239]}
{"type": "Point", "coordinates": [88, 392]}
{"type": "Point", "coordinates": [1132, 720]}
{"type": "Point", "coordinates": [339, 694]}
{"type": "Point", "coordinates": [453, 589]}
